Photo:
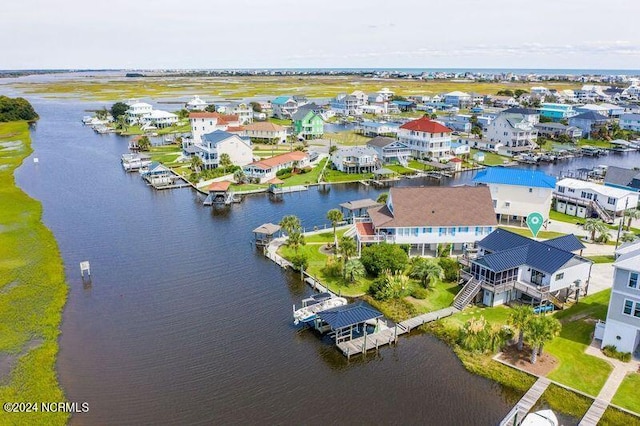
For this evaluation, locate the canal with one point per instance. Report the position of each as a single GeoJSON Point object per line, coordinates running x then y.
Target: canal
{"type": "Point", "coordinates": [185, 322]}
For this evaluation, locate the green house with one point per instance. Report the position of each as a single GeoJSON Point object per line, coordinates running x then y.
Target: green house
{"type": "Point", "coordinates": [307, 124]}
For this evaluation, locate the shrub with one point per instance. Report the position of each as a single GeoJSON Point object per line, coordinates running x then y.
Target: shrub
{"type": "Point", "coordinates": [285, 171]}
{"type": "Point", "coordinates": [332, 267]}
{"type": "Point", "coordinates": [612, 352]}
{"type": "Point", "coordinates": [450, 268]}
{"type": "Point", "coordinates": [381, 257]}
{"type": "Point", "coordinates": [420, 293]}
{"type": "Point", "coordinates": [389, 286]}
{"type": "Point", "coordinates": [299, 261]}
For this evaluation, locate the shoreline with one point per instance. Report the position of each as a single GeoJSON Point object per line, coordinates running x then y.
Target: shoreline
{"type": "Point", "coordinates": [34, 290]}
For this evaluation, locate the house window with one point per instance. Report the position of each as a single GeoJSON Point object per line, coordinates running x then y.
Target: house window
{"type": "Point", "coordinates": [442, 231]}
{"type": "Point", "coordinates": [628, 307]}
{"type": "Point", "coordinates": [611, 201]}
{"type": "Point", "coordinates": [633, 280]}
{"type": "Point", "coordinates": [572, 190]}
{"type": "Point", "coordinates": [559, 276]}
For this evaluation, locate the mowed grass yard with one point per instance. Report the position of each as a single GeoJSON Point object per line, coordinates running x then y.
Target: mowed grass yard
{"type": "Point", "coordinates": [348, 138]}
{"type": "Point", "coordinates": [32, 290]}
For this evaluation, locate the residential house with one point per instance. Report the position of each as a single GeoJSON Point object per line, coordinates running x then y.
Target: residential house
{"type": "Point", "coordinates": [458, 148]}
{"type": "Point", "coordinates": [266, 132]}
{"type": "Point", "coordinates": [219, 142]}
{"type": "Point", "coordinates": [516, 193]}
{"type": "Point", "coordinates": [284, 107]}
{"type": "Point", "coordinates": [512, 130]}
{"type": "Point", "coordinates": [136, 111]}
{"type": "Point", "coordinates": [591, 93]}
{"type": "Point", "coordinates": [386, 94]}
{"type": "Point", "coordinates": [158, 119]}
{"type": "Point", "coordinates": [556, 111]}
{"type": "Point", "coordinates": [157, 174]}
{"type": "Point", "coordinates": [390, 150]}
{"type": "Point", "coordinates": [457, 99]}
{"type": "Point", "coordinates": [630, 122]}
{"type": "Point", "coordinates": [503, 101]}
{"type": "Point", "coordinates": [585, 199]}
{"type": "Point", "coordinates": [377, 128]}
{"type": "Point", "coordinates": [481, 144]}
{"type": "Point", "coordinates": [426, 138]}
{"type": "Point", "coordinates": [347, 105]}
{"type": "Point", "coordinates": [459, 122]}
{"type": "Point", "coordinates": [429, 219]}
{"type": "Point", "coordinates": [622, 327]}
{"type": "Point", "coordinates": [307, 124]}
{"type": "Point", "coordinates": [539, 91]}
{"type": "Point", "coordinates": [404, 106]}
{"type": "Point", "coordinates": [195, 104]}
{"type": "Point", "coordinates": [511, 267]}
{"type": "Point", "coordinates": [360, 96]}
{"type": "Point", "coordinates": [554, 130]}
{"type": "Point", "coordinates": [619, 177]}
{"type": "Point", "coordinates": [355, 159]}
{"type": "Point", "coordinates": [208, 122]}
{"type": "Point", "coordinates": [589, 122]}
{"type": "Point", "coordinates": [266, 169]}
{"type": "Point", "coordinates": [242, 110]}
{"type": "Point", "coordinates": [529, 114]}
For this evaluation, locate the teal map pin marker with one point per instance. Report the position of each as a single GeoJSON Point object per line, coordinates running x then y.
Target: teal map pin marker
{"type": "Point", "coordinates": [534, 222]}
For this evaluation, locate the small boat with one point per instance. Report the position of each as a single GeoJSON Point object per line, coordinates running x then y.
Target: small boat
{"type": "Point", "coordinates": [540, 418]}
{"type": "Point", "coordinates": [315, 304]}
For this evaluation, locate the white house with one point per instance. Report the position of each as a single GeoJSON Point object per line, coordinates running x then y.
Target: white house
{"type": "Point", "coordinates": [429, 217]}
{"type": "Point", "coordinates": [481, 144]}
{"type": "Point", "coordinates": [355, 159]}
{"type": "Point", "coordinates": [509, 267]}
{"type": "Point", "coordinates": [581, 198]}
{"type": "Point", "coordinates": [158, 119]}
{"type": "Point", "coordinates": [266, 131]}
{"type": "Point", "coordinates": [266, 169]}
{"type": "Point", "coordinates": [243, 110]}
{"type": "Point", "coordinates": [219, 142]}
{"type": "Point", "coordinates": [457, 99]}
{"type": "Point", "coordinates": [458, 148]}
{"type": "Point", "coordinates": [208, 122]}
{"type": "Point", "coordinates": [137, 110]}
{"type": "Point", "coordinates": [630, 122]}
{"type": "Point", "coordinates": [512, 130]}
{"type": "Point", "coordinates": [390, 150]}
{"type": "Point", "coordinates": [284, 106]}
{"type": "Point", "coordinates": [426, 138]}
{"type": "Point", "coordinates": [195, 104]}
{"type": "Point", "coordinates": [346, 105]}
{"type": "Point", "coordinates": [377, 128]}
{"type": "Point", "coordinates": [516, 193]}
{"type": "Point", "coordinates": [622, 327]}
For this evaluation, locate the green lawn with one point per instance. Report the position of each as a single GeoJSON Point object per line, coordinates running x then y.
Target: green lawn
{"type": "Point", "coordinates": [401, 170]}
{"type": "Point", "coordinates": [525, 232]}
{"type": "Point", "coordinates": [248, 187]}
{"type": "Point", "coordinates": [562, 217]}
{"type": "Point", "coordinates": [32, 287]}
{"type": "Point", "coordinates": [495, 315]}
{"type": "Point", "coordinates": [440, 296]}
{"type": "Point", "coordinates": [415, 164]}
{"type": "Point", "coordinates": [594, 142]}
{"type": "Point", "coordinates": [306, 178]}
{"type": "Point", "coordinates": [281, 122]}
{"type": "Point", "coordinates": [602, 259]}
{"type": "Point", "coordinates": [491, 158]}
{"type": "Point", "coordinates": [627, 394]}
{"type": "Point", "coordinates": [595, 306]}
{"type": "Point", "coordinates": [331, 175]}
{"type": "Point", "coordinates": [165, 154]}
{"type": "Point", "coordinates": [349, 138]}
{"type": "Point", "coordinates": [325, 237]}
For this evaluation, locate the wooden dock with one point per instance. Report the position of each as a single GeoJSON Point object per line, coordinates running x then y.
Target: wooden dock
{"type": "Point", "coordinates": [594, 414]}
{"type": "Point", "coordinates": [526, 403]}
{"type": "Point", "coordinates": [387, 336]}
{"type": "Point", "coordinates": [316, 285]}
{"type": "Point", "coordinates": [288, 189]}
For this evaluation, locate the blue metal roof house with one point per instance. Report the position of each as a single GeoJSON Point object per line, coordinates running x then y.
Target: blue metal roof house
{"type": "Point", "coordinates": [516, 193]}
{"type": "Point", "coordinates": [513, 267]}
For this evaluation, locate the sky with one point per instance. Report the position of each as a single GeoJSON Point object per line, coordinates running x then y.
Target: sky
{"type": "Point", "coordinates": [232, 34]}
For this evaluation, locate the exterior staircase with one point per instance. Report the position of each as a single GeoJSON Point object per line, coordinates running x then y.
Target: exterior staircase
{"type": "Point", "coordinates": [551, 298]}
{"type": "Point", "coordinates": [466, 295]}
{"type": "Point", "coordinates": [351, 232]}
{"type": "Point", "coordinates": [604, 215]}
{"type": "Point", "coordinates": [403, 160]}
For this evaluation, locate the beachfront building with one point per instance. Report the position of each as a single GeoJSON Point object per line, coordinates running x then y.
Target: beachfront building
{"type": "Point", "coordinates": [267, 168]}
{"type": "Point", "coordinates": [619, 177]}
{"type": "Point", "coordinates": [219, 142]}
{"type": "Point", "coordinates": [556, 112]}
{"type": "Point", "coordinates": [429, 219]}
{"type": "Point", "coordinates": [355, 159]}
{"type": "Point", "coordinates": [136, 111]}
{"type": "Point", "coordinates": [586, 199]}
{"type": "Point", "coordinates": [516, 193]}
{"type": "Point", "coordinates": [158, 119]}
{"type": "Point", "coordinates": [554, 130]}
{"type": "Point", "coordinates": [208, 122]}
{"type": "Point", "coordinates": [390, 150]}
{"type": "Point", "coordinates": [630, 122]}
{"type": "Point", "coordinates": [589, 122]}
{"type": "Point", "coordinates": [307, 124]}
{"type": "Point", "coordinates": [426, 138]}
{"type": "Point", "coordinates": [283, 107]}
{"type": "Point", "coordinates": [511, 267]}
{"type": "Point", "coordinates": [622, 327]}
{"type": "Point", "coordinates": [512, 130]}
{"type": "Point", "coordinates": [195, 104]}
{"type": "Point", "coordinates": [264, 131]}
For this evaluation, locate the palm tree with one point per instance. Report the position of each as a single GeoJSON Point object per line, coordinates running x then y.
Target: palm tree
{"type": "Point", "coordinates": [239, 176]}
{"type": "Point", "coordinates": [296, 240]}
{"type": "Point", "coordinates": [539, 331]}
{"type": "Point", "coordinates": [347, 248]}
{"type": "Point", "coordinates": [335, 216]}
{"type": "Point", "coordinates": [552, 328]}
{"type": "Point", "coordinates": [121, 123]}
{"type": "Point", "coordinates": [627, 237]}
{"type": "Point", "coordinates": [595, 226]}
{"type": "Point", "coordinates": [354, 269]}
{"type": "Point", "coordinates": [144, 143]}
{"type": "Point", "coordinates": [519, 318]}
{"type": "Point", "coordinates": [196, 163]}
{"type": "Point", "coordinates": [290, 223]}
{"type": "Point", "coordinates": [225, 161]}
{"type": "Point", "coordinates": [630, 215]}
{"type": "Point", "coordinates": [427, 272]}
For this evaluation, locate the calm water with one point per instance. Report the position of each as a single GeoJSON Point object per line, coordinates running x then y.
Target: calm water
{"type": "Point", "coordinates": [186, 323]}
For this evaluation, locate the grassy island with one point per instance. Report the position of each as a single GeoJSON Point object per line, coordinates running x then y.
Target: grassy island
{"type": "Point", "coordinates": [32, 291]}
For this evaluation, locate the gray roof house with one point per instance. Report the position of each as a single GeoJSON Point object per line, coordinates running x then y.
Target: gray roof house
{"type": "Point", "coordinates": [588, 122]}
{"type": "Point", "coordinates": [390, 150]}
{"type": "Point", "coordinates": [619, 177]}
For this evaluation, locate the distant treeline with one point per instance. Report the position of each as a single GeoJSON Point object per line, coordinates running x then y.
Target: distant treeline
{"type": "Point", "coordinates": [15, 109]}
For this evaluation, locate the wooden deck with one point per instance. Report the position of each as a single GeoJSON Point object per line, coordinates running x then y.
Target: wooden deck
{"type": "Point", "coordinates": [390, 335]}
{"type": "Point", "coordinates": [526, 403]}
{"type": "Point", "coordinates": [594, 414]}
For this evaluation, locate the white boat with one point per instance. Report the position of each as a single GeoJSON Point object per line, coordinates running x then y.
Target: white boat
{"type": "Point", "coordinates": [540, 418]}
{"type": "Point", "coordinates": [315, 304]}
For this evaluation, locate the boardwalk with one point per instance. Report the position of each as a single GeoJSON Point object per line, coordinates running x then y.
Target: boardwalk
{"type": "Point", "coordinates": [595, 412]}
{"type": "Point", "coordinates": [527, 402]}
{"type": "Point", "coordinates": [390, 335]}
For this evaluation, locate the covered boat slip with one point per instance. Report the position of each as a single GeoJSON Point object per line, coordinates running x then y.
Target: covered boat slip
{"type": "Point", "coordinates": [264, 233]}
{"type": "Point", "coordinates": [348, 322]}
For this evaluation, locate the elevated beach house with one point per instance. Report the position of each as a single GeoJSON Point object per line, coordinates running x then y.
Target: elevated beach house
{"type": "Point", "coordinates": [429, 219]}
{"type": "Point", "coordinates": [215, 144]}
{"type": "Point", "coordinates": [284, 106]}
{"type": "Point", "coordinates": [514, 131]}
{"type": "Point", "coordinates": [426, 138]}
{"type": "Point", "coordinates": [355, 159]}
{"type": "Point", "coordinates": [516, 193]}
{"type": "Point", "coordinates": [265, 131]}
{"type": "Point", "coordinates": [622, 328]}
{"type": "Point", "coordinates": [510, 267]}
{"type": "Point", "coordinates": [208, 122]}
{"type": "Point", "coordinates": [390, 150]}
{"type": "Point", "coordinates": [266, 169]}
{"type": "Point", "coordinates": [307, 123]}
{"type": "Point", "coordinates": [586, 199]}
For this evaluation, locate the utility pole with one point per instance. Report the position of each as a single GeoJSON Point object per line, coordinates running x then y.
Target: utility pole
{"type": "Point", "coordinates": [626, 205]}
